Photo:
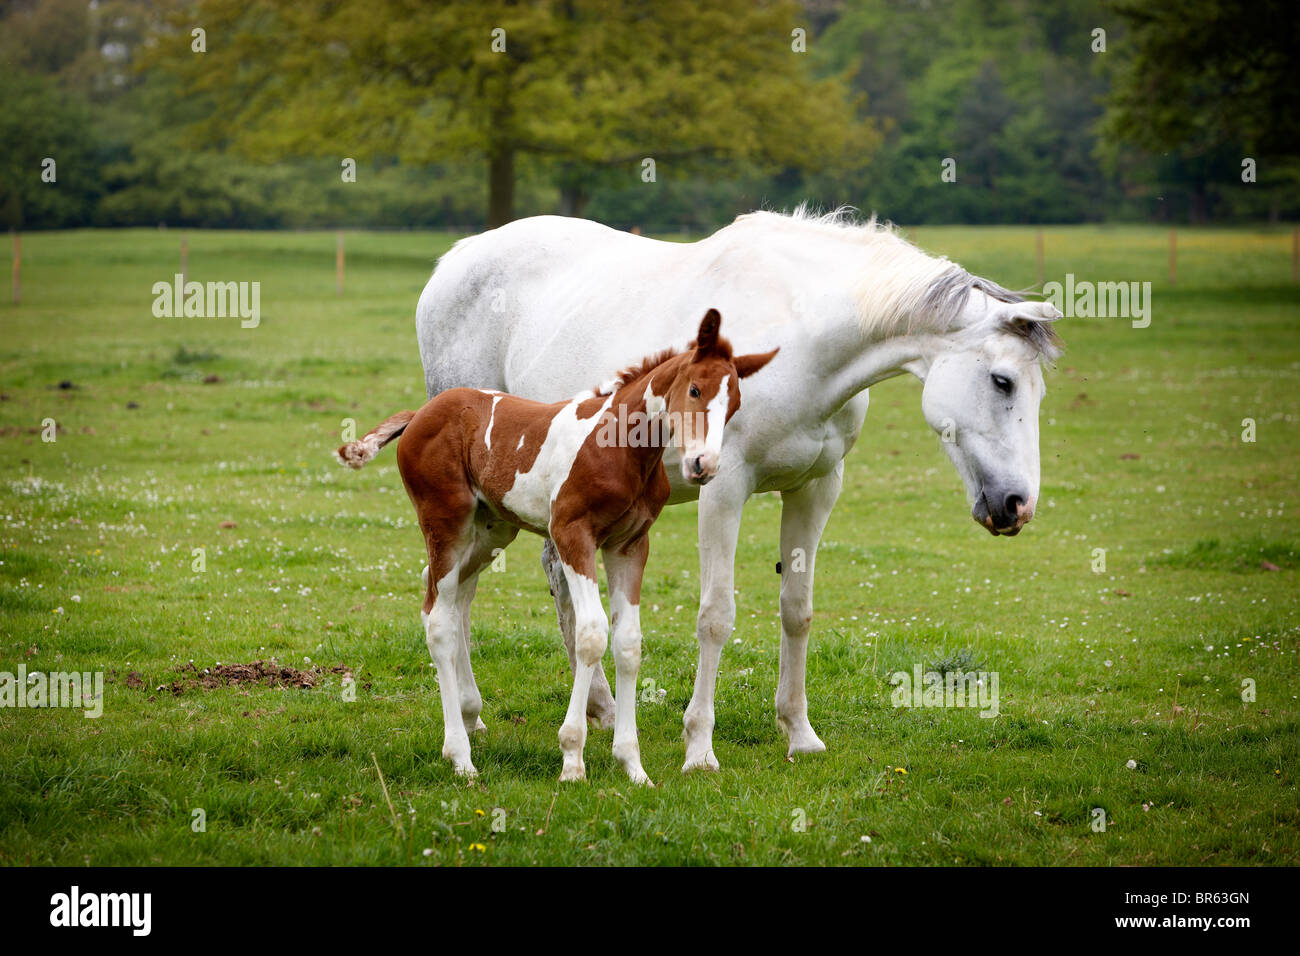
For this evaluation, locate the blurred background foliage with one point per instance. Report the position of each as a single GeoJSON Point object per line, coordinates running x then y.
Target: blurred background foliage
{"type": "Point", "coordinates": [448, 132]}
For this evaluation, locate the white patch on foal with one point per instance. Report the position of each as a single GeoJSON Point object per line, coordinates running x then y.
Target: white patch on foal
{"type": "Point", "coordinates": [492, 420]}
{"type": "Point", "coordinates": [531, 495]}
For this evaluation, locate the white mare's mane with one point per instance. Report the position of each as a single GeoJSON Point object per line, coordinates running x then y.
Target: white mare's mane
{"type": "Point", "coordinates": [903, 290]}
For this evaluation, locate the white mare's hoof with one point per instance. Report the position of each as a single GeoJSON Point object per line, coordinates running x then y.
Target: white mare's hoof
{"type": "Point", "coordinates": [704, 761]}
{"type": "Point", "coordinates": [573, 774]}
{"type": "Point", "coordinates": [476, 727]}
{"type": "Point", "coordinates": [467, 770]}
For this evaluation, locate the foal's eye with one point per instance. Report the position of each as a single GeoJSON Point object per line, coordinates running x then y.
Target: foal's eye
{"type": "Point", "coordinates": [1002, 383]}
{"type": "Point", "coordinates": [695, 392]}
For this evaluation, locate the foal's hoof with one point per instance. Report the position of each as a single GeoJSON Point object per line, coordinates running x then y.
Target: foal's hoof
{"type": "Point", "coordinates": [705, 761]}
{"type": "Point", "coordinates": [803, 740]}
{"type": "Point", "coordinates": [467, 771]}
{"type": "Point", "coordinates": [641, 779]}
{"type": "Point", "coordinates": [806, 746]}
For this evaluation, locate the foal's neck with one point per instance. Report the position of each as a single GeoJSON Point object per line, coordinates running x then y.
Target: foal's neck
{"type": "Point", "coordinates": [630, 399]}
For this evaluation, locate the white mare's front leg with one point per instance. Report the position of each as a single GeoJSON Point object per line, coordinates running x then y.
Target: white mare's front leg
{"type": "Point", "coordinates": [590, 637]}
{"type": "Point", "coordinates": [624, 572]}
{"type": "Point", "coordinates": [721, 504]}
{"type": "Point", "coordinates": [803, 519]}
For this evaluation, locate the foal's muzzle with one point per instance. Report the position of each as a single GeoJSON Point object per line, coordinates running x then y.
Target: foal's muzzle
{"type": "Point", "coordinates": [699, 469]}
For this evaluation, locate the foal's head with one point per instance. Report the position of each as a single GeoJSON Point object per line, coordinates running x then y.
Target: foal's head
{"type": "Point", "coordinates": [702, 395]}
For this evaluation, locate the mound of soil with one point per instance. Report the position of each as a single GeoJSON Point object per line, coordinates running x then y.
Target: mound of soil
{"type": "Point", "coordinates": [266, 673]}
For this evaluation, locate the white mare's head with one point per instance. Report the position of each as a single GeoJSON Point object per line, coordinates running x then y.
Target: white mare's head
{"type": "Point", "coordinates": [982, 394]}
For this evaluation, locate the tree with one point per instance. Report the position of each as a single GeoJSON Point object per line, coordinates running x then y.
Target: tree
{"type": "Point", "coordinates": [1202, 74]}
{"type": "Point", "coordinates": [49, 175]}
{"type": "Point", "coordinates": [581, 85]}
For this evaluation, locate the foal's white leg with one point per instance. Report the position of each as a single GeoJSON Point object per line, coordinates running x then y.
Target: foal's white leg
{"type": "Point", "coordinates": [591, 635]}
{"type": "Point", "coordinates": [442, 633]}
{"type": "Point", "coordinates": [803, 519]}
{"type": "Point", "coordinates": [721, 505]}
{"type": "Point", "coordinates": [624, 572]}
{"type": "Point", "coordinates": [600, 703]}
{"type": "Point", "coordinates": [471, 701]}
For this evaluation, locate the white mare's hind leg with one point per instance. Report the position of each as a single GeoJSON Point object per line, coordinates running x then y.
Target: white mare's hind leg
{"type": "Point", "coordinates": [803, 519]}
{"type": "Point", "coordinates": [591, 635]}
{"type": "Point", "coordinates": [624, 572]}
{"type": "Point", "coordinates": [600, 702]}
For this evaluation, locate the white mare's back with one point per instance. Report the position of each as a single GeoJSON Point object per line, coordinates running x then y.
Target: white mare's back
{"type": "Point", "coordinates": [549, 306]}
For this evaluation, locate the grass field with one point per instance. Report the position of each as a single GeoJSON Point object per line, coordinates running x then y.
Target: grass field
{"type": "Point", "coordinates": [184, 434]}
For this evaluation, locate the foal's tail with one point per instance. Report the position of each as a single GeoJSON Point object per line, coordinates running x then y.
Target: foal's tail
{"type": "Point", "coordinates": [357, 453]}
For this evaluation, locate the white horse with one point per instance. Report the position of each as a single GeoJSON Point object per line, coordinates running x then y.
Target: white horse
{"type": "Point", "coordinates": [529, 308]}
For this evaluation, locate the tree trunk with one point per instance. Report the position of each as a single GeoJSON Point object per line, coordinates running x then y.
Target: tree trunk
{"type": "Point", "coordinates": [573, 200]}
{"type": "Point", "coordinates": [501, 187]}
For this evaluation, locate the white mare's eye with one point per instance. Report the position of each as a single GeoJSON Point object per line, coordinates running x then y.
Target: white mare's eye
{"type": "Point", "coordinates": [1002, 384]}
{"type": "Point", "coordinates": [695, 392]}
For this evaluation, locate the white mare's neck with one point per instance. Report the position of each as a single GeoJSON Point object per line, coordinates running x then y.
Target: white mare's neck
{"type": "Point", "coordinates": [866, 303]}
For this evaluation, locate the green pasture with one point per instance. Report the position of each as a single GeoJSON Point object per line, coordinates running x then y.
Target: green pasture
{"type": "Point", "coordinates": [1160, 689]}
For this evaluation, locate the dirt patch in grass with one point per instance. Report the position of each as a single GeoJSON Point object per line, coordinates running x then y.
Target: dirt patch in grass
{"type": "Point", "coordinates": [264, 673]}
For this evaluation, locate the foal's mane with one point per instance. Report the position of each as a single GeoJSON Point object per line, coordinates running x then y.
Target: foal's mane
{"type": "Point", "coordinates": [902, 289]}
{"type": "Point", "coordinates": [652, 362]}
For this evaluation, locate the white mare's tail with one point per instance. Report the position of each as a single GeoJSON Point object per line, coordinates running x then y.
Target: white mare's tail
{"type": "Point", "coordinates": [357, 453]}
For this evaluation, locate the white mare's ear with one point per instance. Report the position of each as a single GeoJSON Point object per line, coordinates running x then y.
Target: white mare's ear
{"type": "Point", "coordinates": [1033, 321]}
{"type": "Point", "coordinates": [1038, 311]}
{"type": "Point", "coordinates": [1009, 312]}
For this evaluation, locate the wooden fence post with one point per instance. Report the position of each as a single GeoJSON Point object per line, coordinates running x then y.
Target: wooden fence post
{"type": "Point", "coordinates": [185, 261]}
{"type": "Point", "coordinates": [18, 261]}
{"type": "Point", "coordinates": [338, 265]}
{"type": "Point", "coordinates": [1038, 253]}
{"type": "Point", "coordinates": [1173, 256]}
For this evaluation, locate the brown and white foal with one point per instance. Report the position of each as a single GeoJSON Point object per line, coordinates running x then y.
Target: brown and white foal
{"type": "Point", "coordinates": [587, 473]}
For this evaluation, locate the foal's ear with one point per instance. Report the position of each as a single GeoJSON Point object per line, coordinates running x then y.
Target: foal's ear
{"type": "Point", "coordinates": [707, 339]}
{"type": "Point", "coordinates": [747, 365]}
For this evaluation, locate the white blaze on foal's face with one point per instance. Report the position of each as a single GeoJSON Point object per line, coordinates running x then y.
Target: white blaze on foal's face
{"type": "Point", "coordinates": [699, 420]}
{"type": "Point", "coordinates": [983, 401]}
{"type": "Point", "coordinates": [702, 397]}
